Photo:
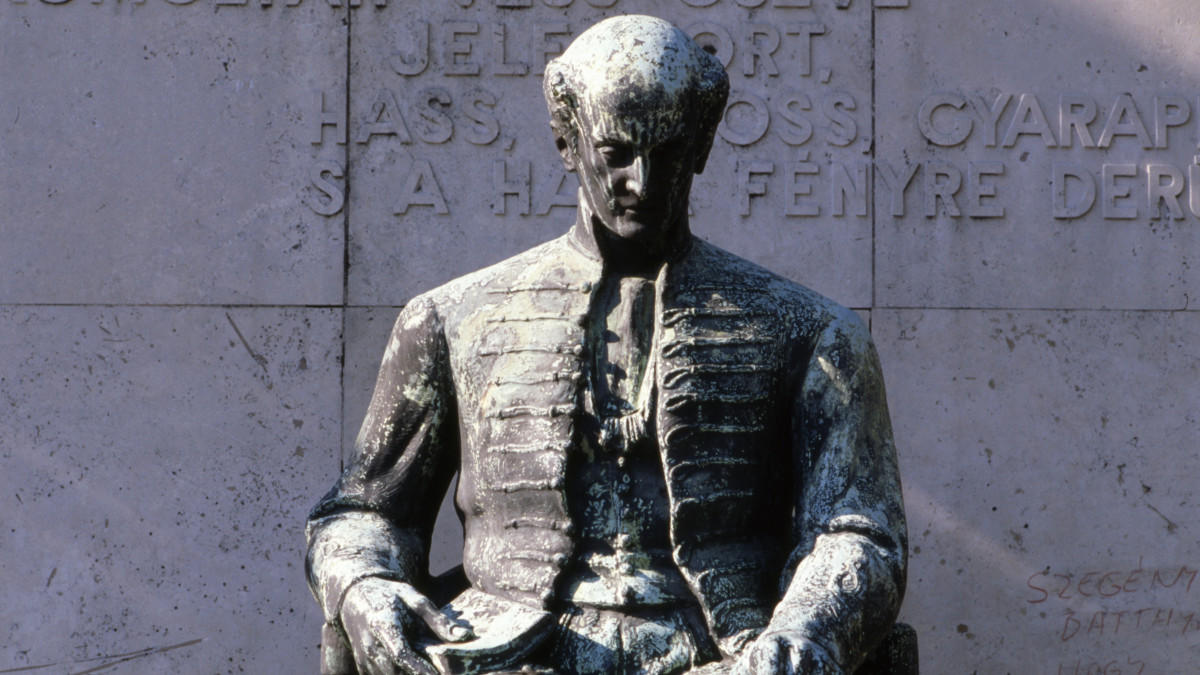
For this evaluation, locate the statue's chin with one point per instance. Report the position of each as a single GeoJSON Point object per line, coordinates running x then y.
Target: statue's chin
{"type": "Point", "coordinates": [633, 231]}
{"type": "Point", "coordinates": [641, 227]}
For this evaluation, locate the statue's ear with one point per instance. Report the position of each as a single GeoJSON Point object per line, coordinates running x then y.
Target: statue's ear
{"type": "Point", "coordinates": [564, 147]}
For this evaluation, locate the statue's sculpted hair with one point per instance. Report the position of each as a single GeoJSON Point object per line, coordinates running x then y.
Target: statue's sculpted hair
{"type": "Point", "coordinates": [636, 58]}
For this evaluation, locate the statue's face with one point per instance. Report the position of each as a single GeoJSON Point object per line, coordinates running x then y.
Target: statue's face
{"type": "Point", "coordinates": [636, 168]}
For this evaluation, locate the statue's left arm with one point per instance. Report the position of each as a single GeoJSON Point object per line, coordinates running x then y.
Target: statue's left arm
{"type": "Point", "coordinates": [376, 521]}
{"type": "Point", "coordinates": [845, 577]}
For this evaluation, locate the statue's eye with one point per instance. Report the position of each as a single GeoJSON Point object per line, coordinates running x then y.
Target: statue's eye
{"type": "Point", "coordinates": [614, 155]}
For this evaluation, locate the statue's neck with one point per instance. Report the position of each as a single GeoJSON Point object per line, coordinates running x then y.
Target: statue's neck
{"type": "Point", "coordinates": [630, 257]}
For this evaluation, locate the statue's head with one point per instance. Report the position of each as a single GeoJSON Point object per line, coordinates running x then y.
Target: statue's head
{"type": "Point", "coordinates": [634, 104]}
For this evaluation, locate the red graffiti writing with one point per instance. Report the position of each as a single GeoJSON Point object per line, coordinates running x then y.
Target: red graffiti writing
{"type": "Point", "coordinates": [1101, 623]}
{"type": "Point", "coordinates": [1109, 583]}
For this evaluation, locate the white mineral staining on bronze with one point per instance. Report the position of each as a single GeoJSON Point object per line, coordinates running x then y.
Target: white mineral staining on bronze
{"type": "Point", "coordinates": [638, 76]}
{"type": "Point", "coordinates": [677, 459]}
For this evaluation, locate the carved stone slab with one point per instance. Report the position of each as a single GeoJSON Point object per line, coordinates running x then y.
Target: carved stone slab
{"type": "Point", "coordinates": [186, 153]}
{"type": "Point", "coordinates": [1051, 155]}
{"type": "Point", "coordinates": [450, 144]}
{"type": "Point", "coordinates": [158, 153]}
{"type": "Point", "coordinates": [1066, 518]}
{"type": "Point", "coordinates": [158, 465]}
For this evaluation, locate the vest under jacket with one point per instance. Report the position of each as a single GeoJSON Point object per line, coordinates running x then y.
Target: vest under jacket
{"type": "Point", "coordinates": [770, 414]}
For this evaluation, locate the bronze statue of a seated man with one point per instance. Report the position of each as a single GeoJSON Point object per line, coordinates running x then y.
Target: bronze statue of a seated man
{"type": "Point", "coordinates": [682, 459]}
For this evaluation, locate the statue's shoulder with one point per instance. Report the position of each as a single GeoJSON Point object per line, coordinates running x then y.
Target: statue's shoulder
{"type": "Point", "coordinates": [554, 262]}
{"type": "Point", "coordinates": [709, 267]}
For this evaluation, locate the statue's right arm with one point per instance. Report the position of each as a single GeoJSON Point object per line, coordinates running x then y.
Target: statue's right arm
{"type": "Point", "coordinates": [372, 530]}
{"type": "Point", "coordinates": [846, 575]}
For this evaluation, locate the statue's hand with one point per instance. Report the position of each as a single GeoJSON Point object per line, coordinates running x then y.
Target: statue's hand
{"type": "Point", "coordinates": [785, 653]}
{"type": "Point", "coordinates": [381, 617]}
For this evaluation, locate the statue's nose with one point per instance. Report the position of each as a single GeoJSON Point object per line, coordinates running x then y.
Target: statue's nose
{"type": "Point", "coordinates": [638, 175]}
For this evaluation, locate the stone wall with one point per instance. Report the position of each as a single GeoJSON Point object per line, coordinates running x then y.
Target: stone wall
{"type": "Point", "coordinates": [210, 211]}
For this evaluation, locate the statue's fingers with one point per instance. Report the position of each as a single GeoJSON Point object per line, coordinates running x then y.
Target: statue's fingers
{"type": "Point", "coordinates": [770, 658]}
{"type": "Point", "coordinates": [801, 662]}
{"type": "Point", "coordinates": [763, 658]}
{"type": "Point", "coordinates": [447, 629]}
{"type": "Point", "coordinates": [411, 664]}
{"type": "Point", "coordinates": [806, 658]}
{"type": "Point", "coordinates": [400, 656]}
{"type": "Point", "coordinates": [362, 657]}
{"type": "Point", "coordinates": [812, 660]}
{"type": "Point", "coordinates": [372, 658]}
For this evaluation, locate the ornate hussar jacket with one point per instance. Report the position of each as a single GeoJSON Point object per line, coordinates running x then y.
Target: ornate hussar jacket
{"type": "Point", "coordinates": [770, 416]}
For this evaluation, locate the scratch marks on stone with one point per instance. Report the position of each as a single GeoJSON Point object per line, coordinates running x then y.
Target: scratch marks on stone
{"type": "Point", "coordinates": [52, 573]}
{"type": "Point", "coordinates": [109, 661]}
{"type": "Point", "coordinates": [1171, 525]}
{"type": "Point", "coordinates": [260, 360]}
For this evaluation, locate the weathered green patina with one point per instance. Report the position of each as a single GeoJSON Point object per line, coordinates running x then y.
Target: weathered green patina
{"type": "Point", "coordinates": [677, 460]}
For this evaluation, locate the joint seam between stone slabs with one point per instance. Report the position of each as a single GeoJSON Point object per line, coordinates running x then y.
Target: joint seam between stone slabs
{"type": "Point", "coordinates": [925, 308]}
{"type": "Point", "coordinates": [346, 209]}
{"type": "Point", "coordinates": [875, 308]}
{"type": "Point", "coordinates": [874, 211]}
{"type": "Point", "coordinates": [1097, 310]}
{"type": "Point", "coordinates": [162, 305]}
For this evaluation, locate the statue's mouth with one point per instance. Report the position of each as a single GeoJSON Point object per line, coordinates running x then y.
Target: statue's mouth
{"type": "Point", "coordinates": [635, 208]}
